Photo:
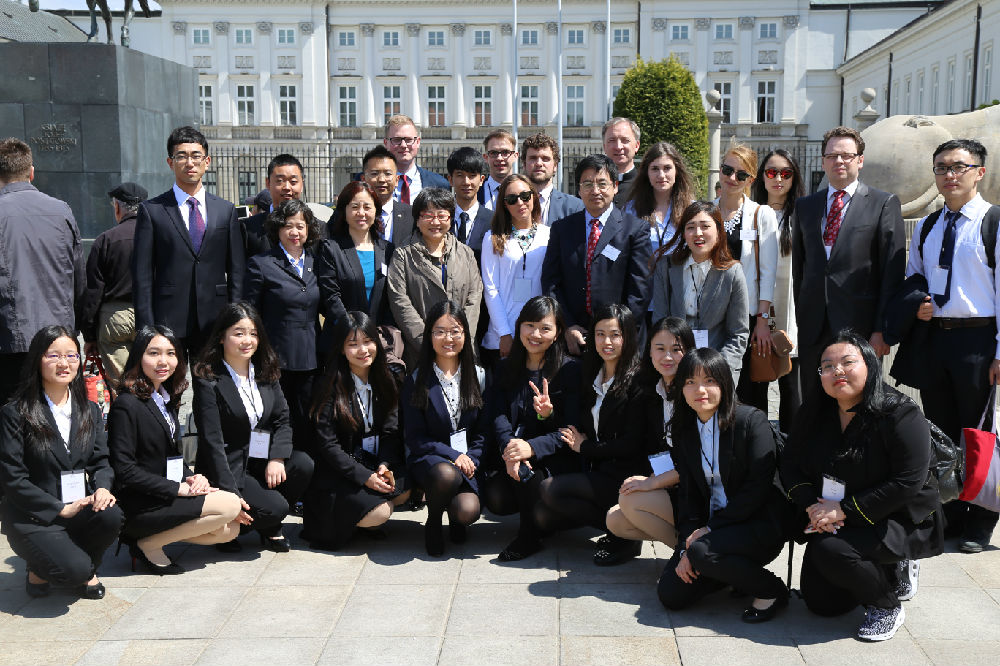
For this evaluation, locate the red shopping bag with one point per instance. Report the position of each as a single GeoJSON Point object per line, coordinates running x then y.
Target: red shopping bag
{"type": "Point", "coordinates": [94, 379]}
{"type": "Point", "coordinates": [982, 462]}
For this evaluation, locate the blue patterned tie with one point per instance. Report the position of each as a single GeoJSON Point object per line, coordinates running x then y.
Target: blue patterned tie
{"type": "Point", "coordinates": [947, 254]}
{"type": "Point", "coordinates": [196, 224]}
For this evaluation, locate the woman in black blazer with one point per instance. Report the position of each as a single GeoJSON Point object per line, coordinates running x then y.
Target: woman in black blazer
{"type": "Point", "coordinates": [609, 433]}
{"type": "Point", "coordinates": [731, 515]}
{"type": "Point", "coordinates": [282, 286]}
{"type": "Point", "coordinates": [535, 392]}
{"type": "Point", "coordinates": [244, 438]}
{"type": "Point", "coordinates": [352, 264]}
{"type": "Point", "coordinates": [360, 465]}
{"type": "Point", "coordinates": [163, 500]}
{"type": "Point", "coordinates": [446, 424]}
{"type": "Point", "coordinates": [58, 511]}
{"type": "Point", "coordinates": [855, 467]}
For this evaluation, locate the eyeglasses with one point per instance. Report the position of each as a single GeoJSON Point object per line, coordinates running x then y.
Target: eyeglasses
{"type": "Point", "coordinates": [957, 169]}
{"type": "Point", "coordinates": [727, 171]}
{"type": "Point", "coordinates": [493, 154]}
{"type": "Point", "coordinates": [846, 158]}
{"type": "Point", "coordinates": [453, 334]}
{"type": "Point", "coordinates": [404, 140]}
{"type": "Point", "coordinates": [193, 158]}
{"type": "Point", "coordinates": [373, 174]}
{"type": "Point", "coordinates": [55, 358]}
{"type": "Point", "coordinates": [845, 366]}
{"type": "Point", "coordinates": [599, 185]}
{"type": "Point", "coordinates": [786, 174]}
{"type": "Point", "coordinates": [441, 215]}
{"type": "Point", "coordinates": [511, 199]}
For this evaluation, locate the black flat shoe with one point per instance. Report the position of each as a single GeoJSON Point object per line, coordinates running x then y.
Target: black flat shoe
{"type": "Point", "coordinates": [457, 533]}
{"type": "Point", "coordinates": [617, 553]}
{"type": "Point", "coordinates": [36, 590]}
{"type": "Point", "coordinates": [753, 615]}
{"type": "Point", "coordinates": [434, 539]}
{"type": "Point", "coordinates": [278, 543]}
{"type": "Point", "coordinates": [229, 546]}
{"type": "Point", "coordinates": [603, 542]}
{"type": "Point", "coordinates": [171, 569]}
{"type": "Point", "coordinates": [95, 591]}
{"type": "Point", "coordinates": [373, 533]}
{"type": "Point", "coordinates": [519, 549]}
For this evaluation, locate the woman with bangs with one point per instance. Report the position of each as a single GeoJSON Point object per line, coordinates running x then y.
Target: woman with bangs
{"type": "Point", "coordinates": [534, 393]}
{"type": "Point", "coordinates": [163, 500]}
{"type": "Point", "coordinates": [360, 465]}
{"type": "Point", "coordinates": [700, 282]}
{"type": "Point", "coordinates": [513, 250]}
{"type": "Point", "coordinates": [609, 434]}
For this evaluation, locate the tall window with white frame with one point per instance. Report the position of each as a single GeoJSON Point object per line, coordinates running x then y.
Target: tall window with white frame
{"type": "Point", "coordinates": [767, 94]}
{"type": "Point", "coordinates": [967, 86]}
{"type": "Point", "coordinates": [574, 106]}
{"type": "Point", "coordinates": [725, 90]}
{"type": "Point", "coordinates": [205, 105]}
{"type": "Point", "coordinates": [286, 36]}
{"type": "Point", "coordinates": [622, 36]}
{"type": "Point", "coordinates": [920, 92]}
{"type": "Point", "coordinates": [244, 36]}
{"type": "Point", "coordinates": [201, 36]}
{"type": "Point", "coordinates": [987, 75]}
{"type": "Point", "coordinates": [482, 37]}
{"type": "Point", "coordinates": [529, 106]}
{"type": "Point", "coordinates": [482, 100]}
{"type": "Point", "coordinates": [346, 38]}
{"type": "Point", "coordinates": [435, 106]}
{"type": "Point", "coordinates": [724, 31]}
{"type": "Point", "coordinates": [768, 31]}
{"type": "Point", "coordinates": [245, 114]}
{"type": "Point", "coordinates": [287, 105]}
{"type": "Point", "coordinates": [348, 106]}
{"type": "Point", "coordinates": [679, 33]}
{"type": "Point", "coordinates": [435, 38]}
{"type": "Point", "coordinates": [390, 38]}
{"type": "Point", "coordinates": [529, 38]}
{"type": "Point", "coordinates": [392, 102]}
{"type": "Point", "coordinates": [949, 106]}
{"type": "Point", "coordinates": [574, 37]}
{"type": "Point", "coordinates": [907, 86]}
{"type": "Point", "coordinates": [935, 89]}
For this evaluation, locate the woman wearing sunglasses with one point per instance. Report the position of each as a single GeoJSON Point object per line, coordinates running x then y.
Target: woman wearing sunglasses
{"type": "Point", "coordinates": [752, 235]}
{"type": "Point", "coordinates": [779, 184]}
{"type": "Point", "coordinates": [513, 250]}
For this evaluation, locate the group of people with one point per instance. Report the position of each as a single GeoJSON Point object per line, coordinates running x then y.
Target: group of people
{"type": "Point", "coordinates": [486, 340]}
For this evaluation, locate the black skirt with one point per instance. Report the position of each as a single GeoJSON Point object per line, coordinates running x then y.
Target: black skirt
{"type": "Point", "coordinates": [334, 505]}
{"type": "Point", "coordinates": [150, 521]}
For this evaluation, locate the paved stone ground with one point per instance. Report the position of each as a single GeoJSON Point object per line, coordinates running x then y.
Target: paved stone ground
{"type": "Point", "coordinates": [387, 602]}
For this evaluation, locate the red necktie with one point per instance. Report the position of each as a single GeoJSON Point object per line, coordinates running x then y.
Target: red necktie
{"type": "Point", "coordinates": [595, 235]}
{"type": "Point", "coordinates": [196, 224]}
{"type": "Point", "coordinates": [404, 190]}
{"type": "Point", "coordinates": [833, 219]}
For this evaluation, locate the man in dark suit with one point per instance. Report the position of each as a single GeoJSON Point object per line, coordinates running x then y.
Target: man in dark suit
{"type": "Point", "coordinates": [597, 256]}
{"type": "Point", "coordinates": [848, 254]}
{"type": "Point", "coordinates": [284, 181]}
{"type": "Point", "coordinates": [466, 171]}
{"type": "Point", "coordinates": [378, 169]}
{"type": "Point", "coordinates": [540, 153]}
{"type": "Point", "coordinates": [500, 151]}
{"type": "Point", "coordinates": [620, 137]}
{"type": "Point", "coordinates": [188, 259]}
{"type": "Point", "coordinates": [403, 141]}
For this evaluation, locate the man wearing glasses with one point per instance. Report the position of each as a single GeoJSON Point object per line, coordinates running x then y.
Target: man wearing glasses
{"type": "Point", "coordinates": [597, 256]}
{"type": "Point", "coordinates": [960, 361]}
{"type": "Point", "coordinates": [500, 151]}
{"type": "Point", "coordinates": [188, 258]}
{"type": "Point", "coordinates": [403, 141]}
{"type": "Point", "coordinates": [848, 254]}
{"type": "Point", "coordinates": [378, 169]}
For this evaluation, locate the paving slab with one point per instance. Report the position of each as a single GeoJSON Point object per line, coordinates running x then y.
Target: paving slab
{"type": "Point", "coordinates": [399, 651]}
{"type": "Point", "coordinates": [175, 612]}
{"type": "Point", "coordinates": [902, 650]}
{"type": "Point", "coordinates": [42, 653]}
{"type": "Point", "coordinates": [64, 616]}
{"type": "Point", "coordinates": [619, 651]}
{"type": "Point", "coordinates": [262, 652]}
{"type": "Point", "coordinates": [944, 652]}
{"type": "Point", "coordinates": [734, 651]}
{"type": "Point", "coordinates": [609, 610]}
{"type": "Point", "coordinates": [397, 610]}
{"type": "Point", "coordinates": [488, 609]}
{"type": "Point", "coordinates": [143, 653]}
{"type": "Point", "coordinates": [500, 651]}
{"type": "Point", "coordinates": [278, 612]}
{"type": "Point", "coordinates": [954, 613]}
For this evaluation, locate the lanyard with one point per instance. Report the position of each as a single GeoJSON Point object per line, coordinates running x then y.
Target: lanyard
{"type": "Point", "coordinates": [367, 412]}
{"type": "Point", "coordinates": [711, 463]}
{"type": "Point", "coordinates": [453, 408]}
{"type": "Point", "coordinates": [253, 403]}
{"type": "Point", "coordinates": [697, 294]}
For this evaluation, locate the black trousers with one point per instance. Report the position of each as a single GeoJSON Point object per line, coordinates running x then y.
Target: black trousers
{"type": "Point", "coordinates": [790, 390]}
{"type": "Point", "coordinates": [838, 573]}
{"type": "Point", "coordinates": [957, 363]}
{"type": "Point", "coordinates": [10, 375]}
{"type": "Point", "coordinates": [297, 387]}
{"type": "Point", "coordinates": [68, 553]}
{"type": "Point", "coordinates": [269, 506]}
{"type": "Point", "coordinates": [735, 555]}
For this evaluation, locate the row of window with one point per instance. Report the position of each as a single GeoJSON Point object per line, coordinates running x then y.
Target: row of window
{"type": "Point", "coordinates": [246, 105]}
{"type": "Point", "coordinates": [484, 37]}
{"type": "Point", "coordinates": [764, 102]}
{"type": "Point", "coordinates": [680, 32]}
{"type": "Point", "coordinates": [242, 36]}
{"type": "Point", "coordinates": [912, 98]}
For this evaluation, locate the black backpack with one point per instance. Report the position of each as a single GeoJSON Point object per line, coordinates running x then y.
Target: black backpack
{"type": "Point", "coordinates": [988, 229]}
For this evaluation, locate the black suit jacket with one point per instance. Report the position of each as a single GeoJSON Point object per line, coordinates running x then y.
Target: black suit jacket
{"type": "Point", "coordinates": [254, 238]}
{"type": "Point", "coordinates": [139, 442]}
{"type": "Point", "coordinates": [624, 280]}
{"type": "Point", "coordinates": [32, 475]}
{"type": "Point", "coordinates": [289, 306]}
{"type": "Point", "coordinates": [342, 282]}
{"type": "Point", "coordinates": [402, 223]}
{"type": "Point", "coordinates": [865, 268]}
{"type": "Point", "coordinates": [625, 186]}
{"type": "Point", "coordinates": [617, 449]}
{"type": "Point", "coordinates": [480, 225]}
{"type": "Point", "coordinates": [174, 286]}
{"type": "Point", "coordinates": [224, 428]}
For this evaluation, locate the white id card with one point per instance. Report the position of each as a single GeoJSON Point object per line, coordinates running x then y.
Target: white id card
{"type": "Point", "coordinates": [369, 443]}
{"type": "Point", "coordinates": [522, 290]}
{"type": "Point", "coordinates": [748, 234]}
{"type": "Point", "coordinates": [175, 469]}
{"type": "Point", "coordinates": [661, 463]}
{"type": "Point", "coordinates": [833, 489]}
{"type": "Point", "coordinates": [937, 282]}
{"type": "Point", "coordinates": [458, 442]}
{"type": "Point", "coordinates": [700, 337]}
{"type": "Point", "coordinates": [260, 443]}
{"type": "Point", "coordinates": [611, 252]}
{"type": "Point", "coordinates": [385, 269]}
{"type": "Point", "coordinates": [72, 486]}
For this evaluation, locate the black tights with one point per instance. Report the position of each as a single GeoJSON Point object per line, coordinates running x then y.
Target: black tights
{"type": "Point", "coordinates": [503, 496]}
{"type": "Point", "coordinates": [446, 489]}
{"type": "Point", "coordinates": [574, 500]}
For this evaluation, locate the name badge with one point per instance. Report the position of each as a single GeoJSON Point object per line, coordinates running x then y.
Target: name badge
{"type": "Point", "coordinates": [260, 443]}
{"type": "Point", "coordinates": [700, 337]}
{"type": "Point", "coordinates": [661, 463]}
{"type": "Point", "coordinates": [385, 270]}
{"type": "Point", "coordinates": [369, 444]}
{"type": "Point", "coordinates": [748, 234]}
{"type": "Point", "coordinates": [833, 489]}
{"type": "Point", "coordinates": [611, 252]}
{"type": "Point", "coordinates": [937, 282]}
{"type": "Point", "coordinates": [522, 290]}
{"type": "Point", "coordinates": [175, 469]}
{"type": "Point", "coordinates": [73, 486]}
{"type": "Point", "coordinates": [458, 442]}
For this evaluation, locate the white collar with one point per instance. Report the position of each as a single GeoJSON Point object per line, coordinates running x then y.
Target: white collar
{"type": "Point", "coordinates": [545, 193]}
{"type": "Point", "coordinates": [473, 211]}
{"type": "Point", "coordinates": [235, 375]}
{"type": "Point", "coordinates": [973, 207]}
{"type": "Point", "coordinates": [66, 409]}
{"type": "Point", "coordinates": [360, 385]}
{"type": "Point", "coordinates": [603, 219]}
{"type": "Point", "coordinates": [412, 171]}
{"type": "Point", "coordinates": [602, 387]}
{"type": "Point", "coordinates": [850, 189]}
{"type": "Point", "coordinates": [661, 390]}
{"type": "Point", "coordinates": [387, 208]}
{"type": "Point", "coordinates": [181, 196]}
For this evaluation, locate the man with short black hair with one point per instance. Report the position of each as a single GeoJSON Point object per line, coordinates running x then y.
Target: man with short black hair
{"type": "Point", "coordinates": [379, 170]}
{"type": "Point", "coordinates": [540, 153]}
{"type": "Point", "coordinates": [466, 172]}
{"type": "Point", "coordinates": [285, 180]}
{"type": "Point", "coordinates": [42, 276]}
{"type": "Point", "coordinates": [500, 151]}
{"type": "Point", "coordinates": [107, 316]}
{"type": "Point", "coordinates": [403, 141]}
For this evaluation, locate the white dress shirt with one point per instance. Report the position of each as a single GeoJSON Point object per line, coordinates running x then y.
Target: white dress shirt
{"type": "Point", "coordinates": [668, 410]}
{"type": "Point", "coordinates": [830, 192]}
{"type": "Point", "coordinates": [363, 392]}
{"type": "Point", "coordinates": [695, 274]}
{"type": "Point", "coordinates": [545, 199]}
{"type": "Point", "coordinates": [415, 183]}
{"type": "Point", "coordinates": [182, 203]}
{"type": "Point", "coordinates": [490, 189]}
{"type": "Point", "coordinates": [387, 219]}
{"type": "Point", "coordinates": [472, 213]}
{"type": "Point", "coordinates": [709, 433]}
{"type": "Point", "coordinates": [499, 274]}
{"type": "Point", "coordinates": [601, 388]}
{"type": "Point", "coordinates": [452, 397]}
{"type": "Point", "coordinates": [63, 414]}
{"type": "Point", "coordinates": [161, 398]}
{"type": "Point", "coordinates": [249, 394]}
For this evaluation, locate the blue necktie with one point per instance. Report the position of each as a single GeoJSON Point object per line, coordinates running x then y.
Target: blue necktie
{"type": "Point", "coordinates": [947, 254]}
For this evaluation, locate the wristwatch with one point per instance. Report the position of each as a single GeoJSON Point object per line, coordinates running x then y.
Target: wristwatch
{"type": "Point", "coordinates": [765, 315]}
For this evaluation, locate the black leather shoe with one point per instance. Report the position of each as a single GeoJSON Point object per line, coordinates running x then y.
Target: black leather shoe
{"type": "Point", "coordinates": [434, 539]}
{"type": "Point", "coordinates": [171, 569]}
{"type": "Point", "coordinates": [229, 546]}
{"type": "Point", "coordinates": [974, 540]}
{"type": "Point", "coordinates": [519, 549]}
{"type": "Point", "coordinates": [95, 591]}
{"type": "Point", "coordinates": [755, 616]}
{"type": "Point", "coordinates": [276, 542]}
{"type": "Point", "coordinates": [36, 590]}
{"type": "Point", "coordinates": [617, 552]}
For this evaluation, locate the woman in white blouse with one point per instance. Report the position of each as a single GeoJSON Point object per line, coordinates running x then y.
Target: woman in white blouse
{"type": "Point", "coordinates": [513, 250]}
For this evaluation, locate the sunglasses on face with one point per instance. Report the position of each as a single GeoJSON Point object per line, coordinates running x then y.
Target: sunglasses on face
{"type": "Point", "coordinates": [774, 173]}
{"type": "Point", "coordinates": [727, 171]}
{"type": "Point", "coordinates": [511, 199]}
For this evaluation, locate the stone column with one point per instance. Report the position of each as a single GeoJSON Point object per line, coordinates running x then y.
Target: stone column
{"type": "Point", "coordinates": [867, 116]}
{"type": "Point", "coordinates": [458, 110]}
{"type": "Point", "coordinates": [413, 73]}
{"type": "Point", "coordinates": [554, 94]}
{"type": "Point", "coordinates": [369, 123]}
{"type": "Point", "coordinates": [599, 105]}
{"type": "Point", "coordinates": [225, 114]}
{"type": "Point", "coordinates": [508, 79]}
{"type": "Point", "coordinates": [268, 94]}
{"type": "Point", "coordinates": [745, 64]}
{"type": "Point", "coordinates": [714, 139]}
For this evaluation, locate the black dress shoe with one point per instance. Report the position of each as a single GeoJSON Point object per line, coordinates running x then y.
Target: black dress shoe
{"type": "Point", "coordinates": [434, 539]}
{"type": "Point", "coordinates": [519, 549]}
{"type": "Point", "coordinates": [755, 616]}
{"type": "Point", "coordinates": [171, 569]}
{"type": "Point", "coordinates": [974, 540]}
{"type": "Point", "coordinates": [229, 546]}
{"type": "Point", "coordinates": [277, 543]}
{"type": "Point", "coordinates": [36, 590]}
{"type": "Point", "coordinates": [95, 591]}
{"type": "Point", "coordinates": [618, 551]}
